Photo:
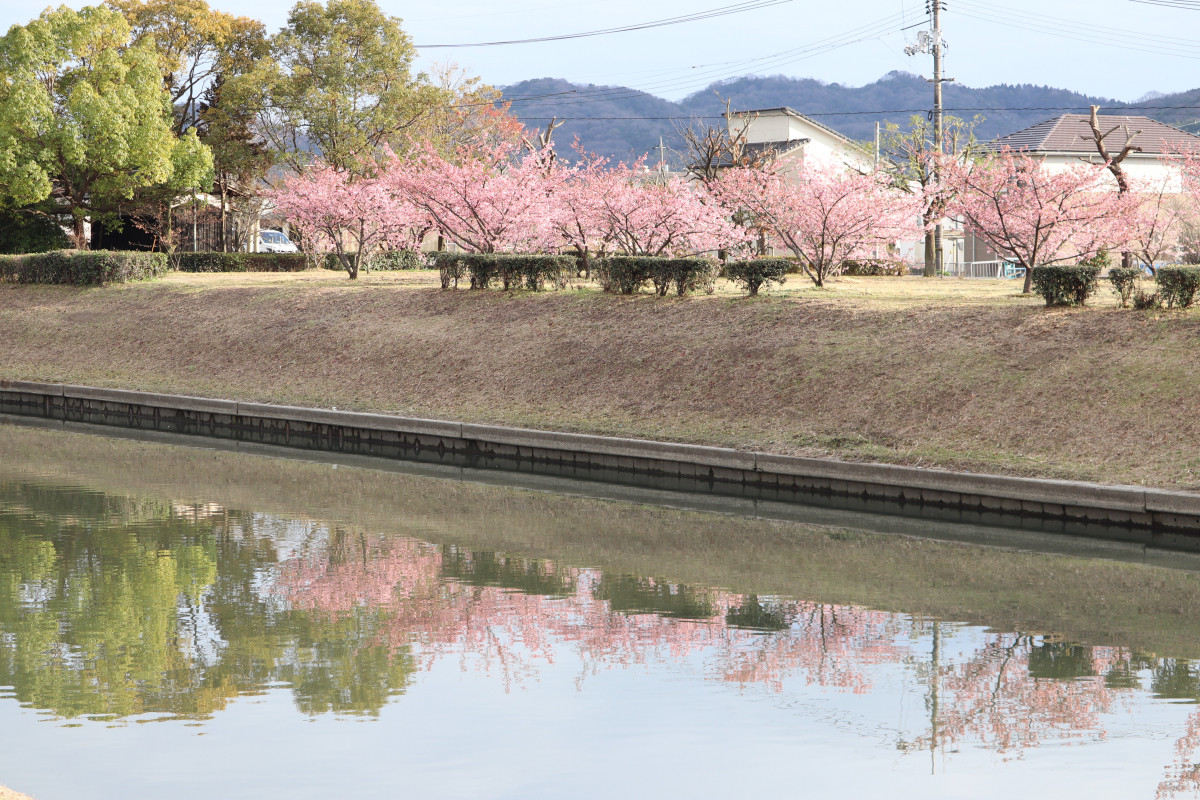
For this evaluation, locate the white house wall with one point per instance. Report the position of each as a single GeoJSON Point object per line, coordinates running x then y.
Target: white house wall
{"type": "Point", "coordinates": [1149, 171]}
{"type": "Point", "coordinates": [775, 127]}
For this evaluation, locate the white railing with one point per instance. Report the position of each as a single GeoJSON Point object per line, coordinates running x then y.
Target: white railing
{"type": "Point", "coordinates": [985, 269]}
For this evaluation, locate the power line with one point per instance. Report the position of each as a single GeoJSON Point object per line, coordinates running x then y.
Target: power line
{"type": "Point", "coordinates": [720, 11]}
{"type": "Point", "coordinates": [1189, 5]}
{"type": "Point", "coordinates": [1083, 32]}
{"type": "Point", "coordinates": [898, 111]}
{"type": "Point", "coordinates": [706, 77]}
{"type": "Point", "coordinates": [775, 60]}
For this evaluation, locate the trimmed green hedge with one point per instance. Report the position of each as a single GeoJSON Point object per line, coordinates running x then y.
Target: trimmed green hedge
{"type": "Point", "coordinates": [757, 272]}
{"type": "Point", "coordinates": [83, 267]}
{"type": "Point", "coordinates": [1178, 285]}
{"type": "Point", "coordinates": [874, 267]}
{"type": "Point", "coordinates": [383, 261]}
{"type": "Point", "coordinates": [1063, 285]}
{"type": "Point", "coordinates": [1124, 280]}
{"type": "Point", "coordinates": [627, 274]}
{"type": "Point", "coordinates": [242, 262]}
{"type": "Point", "coordinates": [513, 270]}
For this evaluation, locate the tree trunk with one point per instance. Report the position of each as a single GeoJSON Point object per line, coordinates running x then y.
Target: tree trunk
{"type": "Point", "coordinates": [1028, 281]}
{"type": "Point", "coordinates": [224, 218]}
{"type": "Point", "coordinates": [930, 256]}
{"type": "Point", "coordinates": [80, 235]}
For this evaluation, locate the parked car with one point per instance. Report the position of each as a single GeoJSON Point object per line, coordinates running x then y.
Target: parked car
{"type": "Point", "coordinates": [275, 242]}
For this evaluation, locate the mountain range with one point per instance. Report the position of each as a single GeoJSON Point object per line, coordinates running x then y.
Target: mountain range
{"type": "Point", "coordinates": [624, 123]}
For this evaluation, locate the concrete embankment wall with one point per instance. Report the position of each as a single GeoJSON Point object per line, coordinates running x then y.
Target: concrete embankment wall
{"type": "Point", "coordinates": [1126, 513]}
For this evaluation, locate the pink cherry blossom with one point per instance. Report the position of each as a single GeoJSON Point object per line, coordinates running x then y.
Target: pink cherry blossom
{"type": "Point", "coordinates": [490, 198]}
{"type": "Point", "coordinates": [1037, 216]}
{"type": "Point", "coordinates": [350, 215]}
{"type": "Point", "coordinates": [824, 214]}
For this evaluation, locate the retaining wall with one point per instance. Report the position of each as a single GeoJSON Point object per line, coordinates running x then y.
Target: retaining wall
{"type": "Point", "coordinates": [1127, 513]}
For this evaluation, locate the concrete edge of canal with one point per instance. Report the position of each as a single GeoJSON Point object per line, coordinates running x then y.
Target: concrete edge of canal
{"type": "Point", "coordinates": [1125, 513]}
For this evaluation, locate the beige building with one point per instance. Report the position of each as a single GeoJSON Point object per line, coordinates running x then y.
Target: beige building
{"type": "Point", "coordinates": [795, 137]}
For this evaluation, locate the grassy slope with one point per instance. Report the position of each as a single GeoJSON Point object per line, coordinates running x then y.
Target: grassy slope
{"type": "Point", "coordinates": [1144, 608]}
{"type": "Point", "coordinates": [948, 373]}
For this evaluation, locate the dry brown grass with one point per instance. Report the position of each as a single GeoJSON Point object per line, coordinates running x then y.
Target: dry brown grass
{"type": "Point", "coordinates": [949, 373]}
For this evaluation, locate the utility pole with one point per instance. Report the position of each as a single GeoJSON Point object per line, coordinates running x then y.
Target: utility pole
{"type": "Point", "coordinates": [876, 165]}
{"type": "Point", "coordinates": [662, 159]}
{"type": "Point", "coordinates": [931, 42]}
{"type": "Point", "coordinates": [937, 122]}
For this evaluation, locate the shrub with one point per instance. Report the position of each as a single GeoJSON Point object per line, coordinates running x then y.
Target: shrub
{"type": "Point", "coordinates": [874, 267]}
{"type": "Point", "coordinates": [533, 271]}
{"type": "Point", "coordinates": [242, 262]}
{"type": "Point", "coordinates": [1124, 281]}
{"type": "Point", "coordinates": [450, 269]}
{"type": "Point", "coordinates": [381, 261]}
{"type": "Point", "coordinates": [1178, 285]}
{"type": "Point", "coordinates": [1101, 258]}
{"type": "Point", "coordinates": [627, 274]}
{"type": "Point", "coordinates": [621, 274]}
{"type": "Point", "coordinates": [1064, 285]}
{"type": "Point", "coordinates": [756, 272]}
{"type": "Point", "coordinates": [23, 230]}
{"type": "Point", "coordinates": [83, 267]}
{"type": "Point", "coordinates": [389, 260]}
{"type": "Point", "coordinates": [1143, 301]}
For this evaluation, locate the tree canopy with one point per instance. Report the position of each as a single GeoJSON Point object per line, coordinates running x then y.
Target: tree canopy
{"type": "Point", "coordinates": [83, 115]}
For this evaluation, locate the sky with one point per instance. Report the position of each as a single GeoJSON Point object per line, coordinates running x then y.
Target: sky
{"type": "Point", "coordinates": [1111, 48]}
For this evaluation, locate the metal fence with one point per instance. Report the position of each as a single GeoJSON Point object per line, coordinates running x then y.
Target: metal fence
{"type": "Point", "coordinates": [985, 269]}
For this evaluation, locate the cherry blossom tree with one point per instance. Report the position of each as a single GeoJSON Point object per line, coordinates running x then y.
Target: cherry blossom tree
{"type": "Point", "coordinates": [351, 215]}
{"type": "Point", "coordinates": [822, 213]}
{"type": "Point", "coordinates": [659, 217]}
{"type": "Point", "coordinates": [1159, 220]}
{"type": "Point", "coordinates": [1034, 216]}
{"type": "Point", "coordinates": [577, 218]}
{"type": "Point", "coordinates": [488, 199]}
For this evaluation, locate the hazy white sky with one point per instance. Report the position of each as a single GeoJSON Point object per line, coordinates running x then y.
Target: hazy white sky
{"type": "Point", "coordinates": [1116, 48]}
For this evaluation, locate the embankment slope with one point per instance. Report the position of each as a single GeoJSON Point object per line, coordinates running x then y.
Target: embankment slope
{"type": "Point", "coordinates": [963, 378]}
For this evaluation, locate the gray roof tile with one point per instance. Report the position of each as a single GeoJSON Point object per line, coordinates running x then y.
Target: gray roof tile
{"type": "Point", "coordinates": [1072, 133]}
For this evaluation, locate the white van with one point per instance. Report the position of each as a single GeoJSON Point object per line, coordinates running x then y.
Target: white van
{"type": "Point", "coordinates": [275, 242]}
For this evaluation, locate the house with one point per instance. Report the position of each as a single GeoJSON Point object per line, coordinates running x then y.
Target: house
{"type": "Point", "coordinates": [795, 137]}
{"type": "Point", "coordinates": [1067, 140]}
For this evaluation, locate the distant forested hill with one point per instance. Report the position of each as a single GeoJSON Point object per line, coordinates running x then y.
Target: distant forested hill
{"type": "Point", "coordinates": [624, 138]}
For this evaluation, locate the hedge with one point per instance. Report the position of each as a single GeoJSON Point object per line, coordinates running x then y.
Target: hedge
{"type": "Point", "coordinates": [242, 262]}
{"type": "Point", "coordinates": [513, 270]}
{"type": "Point", "coordinates": [83, 267]}
{"type": "Point", "coordinates": [1124, 281]}
{"type": "Point", "coordinates": [757, 272]}
{"type": "Point", "coordinates": [383, 261]}
{"type": "Point", "coordinates": [1178, 285]}
{"type": "Point", "coordinates": [1063, 285]}
{"type": "Point", "coordinates": [874, 267]}
{"type": "Point", "coordinates": [627, 274]}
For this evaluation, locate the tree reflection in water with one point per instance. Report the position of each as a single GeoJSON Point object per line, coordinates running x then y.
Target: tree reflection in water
{"type": "Point", "coordinates": [115, 608]}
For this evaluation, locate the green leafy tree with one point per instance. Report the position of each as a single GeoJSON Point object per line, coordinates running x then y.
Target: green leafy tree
{"type": "Point", "coordinates": [241, 158]}
{"type": "Point", "coordinates": [31, 229]}
{"type": "Point", "coordinates": [339, 85]}
{"type": "Point", "coordinates": [908, 155]}
{"type": "Point", "coordinates": [196, 45]}
{"type": "Point", "coordinates": [83, 115]}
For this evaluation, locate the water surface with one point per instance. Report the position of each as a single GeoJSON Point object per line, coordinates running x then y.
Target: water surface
{"type": "Point", "coordinates": [191, 623]}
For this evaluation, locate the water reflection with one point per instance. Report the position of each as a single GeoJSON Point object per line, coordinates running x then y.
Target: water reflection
{"type": "Point", "coordinates": [112, 608]}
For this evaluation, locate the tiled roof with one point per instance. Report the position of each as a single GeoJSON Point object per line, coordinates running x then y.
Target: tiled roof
{"type": "Point", "coordinates": [1072, 133]}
